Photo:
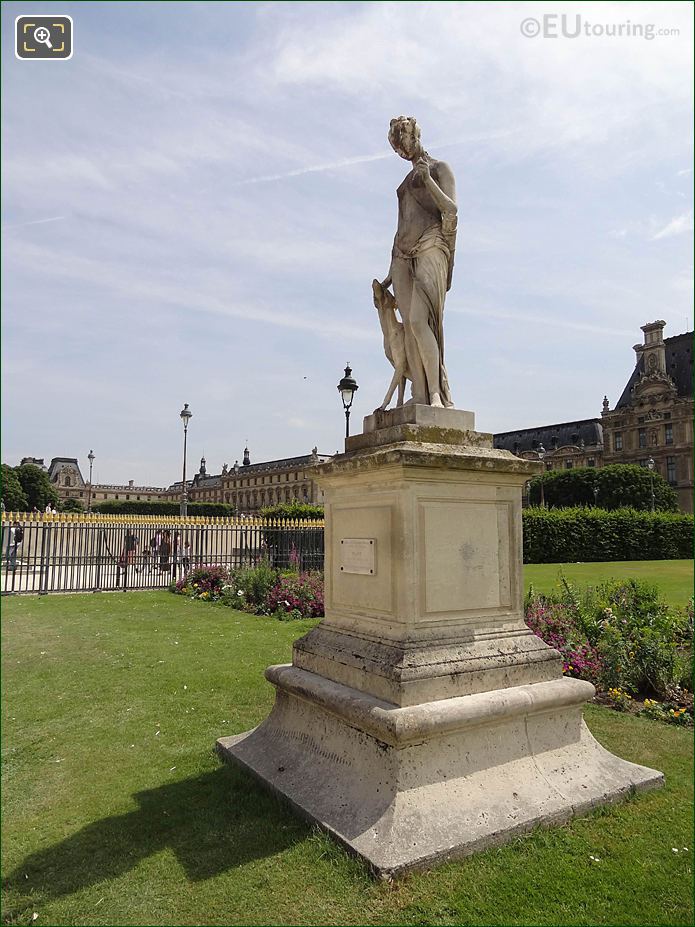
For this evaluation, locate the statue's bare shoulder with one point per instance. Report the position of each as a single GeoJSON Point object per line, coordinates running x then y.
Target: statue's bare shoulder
{"type": "Point", "coordinates": [444, 178]}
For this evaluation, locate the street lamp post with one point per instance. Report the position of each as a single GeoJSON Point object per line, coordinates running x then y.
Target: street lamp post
{"type": "Point", "coordinates": [347, 389]}
{"type": "Point", "coordinates": [651, 465]}
{"type": "Point", "coordinates": [541, 457]}
{"type": "Point", "coordinates": [90, 458]}
{"type": "Point", "coordinates": [595, 495]}
{"type": "Point", "coordinates": [186, 416]}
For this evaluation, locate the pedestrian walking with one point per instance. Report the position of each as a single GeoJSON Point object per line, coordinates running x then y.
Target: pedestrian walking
{"type": "Point", "coordinates": [15, 538]}
{"type": "Point", "coordinates": [130, 547]}
{"type": "Point", "coordinates": [165, 551]}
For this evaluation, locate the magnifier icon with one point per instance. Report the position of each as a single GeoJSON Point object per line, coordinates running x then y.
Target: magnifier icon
{"type": "Point", "coordinates": [43, 36]}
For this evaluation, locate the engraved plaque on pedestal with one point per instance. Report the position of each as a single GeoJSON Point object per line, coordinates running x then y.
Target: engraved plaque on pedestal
{"type": "Point", "coordinates": [358, 555]}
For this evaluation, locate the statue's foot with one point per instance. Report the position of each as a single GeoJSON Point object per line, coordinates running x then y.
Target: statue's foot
{"type": "Point", "coordinates": [436, 401]}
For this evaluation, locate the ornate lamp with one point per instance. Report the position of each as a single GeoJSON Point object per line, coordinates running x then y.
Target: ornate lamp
{"type": "Point", "coordinates": [186, 415]}
{"type": "Point", "coordinates": [347, 389]}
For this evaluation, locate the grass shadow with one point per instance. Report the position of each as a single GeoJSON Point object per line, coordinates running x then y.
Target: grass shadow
{"type": "Point", "coordinates": [213, 822]}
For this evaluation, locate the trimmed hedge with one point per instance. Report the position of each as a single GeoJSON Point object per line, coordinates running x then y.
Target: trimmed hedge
{"type": "Point", "coordinates": [132, 507]}
{"type": "Point", "coordinates": [590, 534]}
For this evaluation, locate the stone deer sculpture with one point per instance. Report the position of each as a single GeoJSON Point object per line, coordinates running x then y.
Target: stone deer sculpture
{"type": "Point", "coordinates": [394, 342]}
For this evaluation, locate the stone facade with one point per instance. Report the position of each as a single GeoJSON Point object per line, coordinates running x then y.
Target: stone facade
{"type": "Point", "coordinates": [252, 486]}
{"type": "Point", "coordinates": [566, 444]}
{"type": "Point", "coordinates": [652, 418]}
{"type": "Point", "coordinates": [248, 487]}
{"type": "Point", "coordinates": [654, 415]}
{"type": "Point", "coordinates": [101, 492]}
{"type": "Point", "coordinates": [66, 476]}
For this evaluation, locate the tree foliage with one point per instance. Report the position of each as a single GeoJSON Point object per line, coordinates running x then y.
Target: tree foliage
{"type": "Point", "coordinates": [617, 486]}
{"type": "Point", "coordinates": [13, 496]}
{"type": "Point", "coordinates": [37, 487]}
{"type": "Point", "coordinates": [72, 505]}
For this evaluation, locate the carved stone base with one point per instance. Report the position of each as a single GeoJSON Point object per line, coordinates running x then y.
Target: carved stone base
{"type": "Point", "coordinates": [421, 719]}
{"type": "Point", "coordinates": [416, 422]}
{"type": "Point", "coordinates": [406, 787]}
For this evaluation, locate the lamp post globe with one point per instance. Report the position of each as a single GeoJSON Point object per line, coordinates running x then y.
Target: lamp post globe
{"type": "Point", "coordinates": [90, 458]}
{"type": "Point", "coordinates": [651, 467]}
{"type": "Point", "coordinates": [347, 389]}
{"type": "Point", "coordinates": [541, 457]}
{"type": "Point", "coordinates": [185, 415]}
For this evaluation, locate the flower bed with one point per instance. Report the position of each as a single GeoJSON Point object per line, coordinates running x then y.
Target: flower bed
{"type": "Point", "coordinates": [205, 582]}
{"type": "Point", "coordinates": [626, 640]}
{"type": "Point", "coordinates": [261, 590]}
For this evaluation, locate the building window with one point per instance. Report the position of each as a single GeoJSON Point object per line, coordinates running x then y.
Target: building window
{"type": "Point", "coordinates": [568, 463]}
{"type": "Point", "coordinates": [642, 462]}
{"type": "Point", "coordinates": [127, 497]}
{"type": "Point", "coordinates": [642, 434]}
{"type": "Point", "coordinates": [591, 462]}
{"type": "Point", "coordinates": [640, 420]}
{"type": "Point", "coordinates": [667, 415]}
{"type": "Point", "coordinates": [671, 470]}
{"type": "Point", "coordinates": [548, 465]}
{"type": "Point", "coordinates": [618, 441]}
{"type": "Point", "coordinates": [668, 434]}
{"type": "Point", "coordinates": [117, 495]}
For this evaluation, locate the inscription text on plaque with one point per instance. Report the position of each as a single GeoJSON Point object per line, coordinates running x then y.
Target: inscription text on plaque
{"type": "Point", "coordinates": [358, 555]}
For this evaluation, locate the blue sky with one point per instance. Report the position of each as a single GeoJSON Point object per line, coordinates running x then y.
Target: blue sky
{"type": "Point", "coordinates": [196, 203]}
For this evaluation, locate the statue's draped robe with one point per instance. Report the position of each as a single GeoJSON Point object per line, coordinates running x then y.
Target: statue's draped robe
{"type": "Point", "coordinates": [431, 261]}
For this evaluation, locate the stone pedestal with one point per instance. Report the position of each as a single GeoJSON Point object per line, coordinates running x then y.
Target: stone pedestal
{"type": "Point", "coordinates": [421, 719]}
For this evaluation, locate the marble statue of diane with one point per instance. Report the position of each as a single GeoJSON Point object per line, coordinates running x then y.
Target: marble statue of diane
{"type": "Point", "coordinates": [421, 266]}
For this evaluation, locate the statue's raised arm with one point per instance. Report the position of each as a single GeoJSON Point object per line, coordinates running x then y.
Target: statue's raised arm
{"type": "Point", "coordinates": [422, 261]}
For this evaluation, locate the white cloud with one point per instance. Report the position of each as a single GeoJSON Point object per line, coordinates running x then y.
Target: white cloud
{"type": "Point", "coordinates": [19, 225]}
{"type": "Point", "coordinates": [677, 226]}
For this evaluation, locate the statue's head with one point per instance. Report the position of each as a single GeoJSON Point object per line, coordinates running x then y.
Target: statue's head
{"type": "Point", "coordinates": [404, 137]}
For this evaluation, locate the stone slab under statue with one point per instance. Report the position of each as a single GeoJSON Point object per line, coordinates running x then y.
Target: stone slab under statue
{"type": "Point", "coordinates": [422, 720]}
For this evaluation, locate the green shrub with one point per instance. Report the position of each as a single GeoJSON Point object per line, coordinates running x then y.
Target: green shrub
{"type": "Point", "coordinates": [293, 510]}
{"type": "Point", "coordinates": [617, 486]}
{"type": "Point", "coordinates": [255, 584]}
{"type": "Point", "coordinates": [133, 507]}
{"type": "Point", "coordinates": [589, 535]}
{"type": "Point", "coordinates": [72, 505]}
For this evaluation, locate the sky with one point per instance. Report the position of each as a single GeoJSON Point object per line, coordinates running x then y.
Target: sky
{"type": "Point", "coordinates": [195, 205]}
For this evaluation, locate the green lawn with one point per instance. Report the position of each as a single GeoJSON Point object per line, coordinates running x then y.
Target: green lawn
{"type": "Point", "coordinates": [116, 811]}
{"type": "Point", "coordinates": [673, 577]}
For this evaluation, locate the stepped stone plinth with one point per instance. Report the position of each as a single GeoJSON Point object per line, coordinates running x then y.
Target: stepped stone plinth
{"type": "Point", "coordinates": [421, 719]}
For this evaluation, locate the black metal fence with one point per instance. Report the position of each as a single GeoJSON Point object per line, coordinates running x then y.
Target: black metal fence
{"type": "Point", "coordinates": [55, 556]}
